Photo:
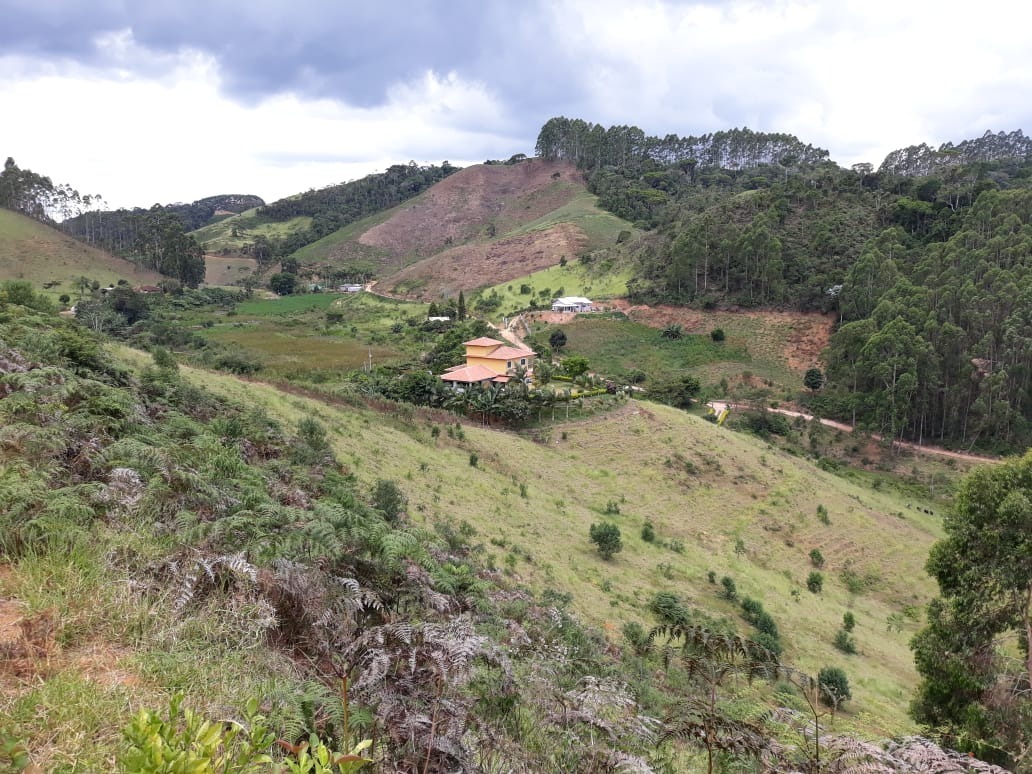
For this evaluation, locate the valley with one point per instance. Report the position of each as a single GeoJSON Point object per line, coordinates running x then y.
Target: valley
{"type": "Point", "coordinates": [231, 473]}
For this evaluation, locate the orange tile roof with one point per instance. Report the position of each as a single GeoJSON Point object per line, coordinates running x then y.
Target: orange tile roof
{"type": "Point", "coordinates": [483, 341]}
{"type": "Point", "coordinates": [469, 374]}
{"type": "Point", "coordinates": [508, 353]}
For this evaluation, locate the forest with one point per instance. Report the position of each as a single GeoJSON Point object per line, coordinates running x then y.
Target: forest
{"type": "Point", "coordinates": [924, 261]}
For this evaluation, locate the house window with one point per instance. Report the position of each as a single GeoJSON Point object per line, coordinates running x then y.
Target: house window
{"type": "Point", "coordinates": [508, 364]}
{"type": "Point", "coordinates": [523, 361]}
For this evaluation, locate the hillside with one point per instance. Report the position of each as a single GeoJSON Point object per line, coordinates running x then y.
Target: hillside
{"type": "Point", "coordinates": [726, 503]}
{"type": "Point", "coordinates": [492, 224]}
{"type": "Point", "coordinates": [33, 251]}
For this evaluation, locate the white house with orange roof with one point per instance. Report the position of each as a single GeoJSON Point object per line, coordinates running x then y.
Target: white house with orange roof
{"type": "Point", "coordinates": [489, 361]}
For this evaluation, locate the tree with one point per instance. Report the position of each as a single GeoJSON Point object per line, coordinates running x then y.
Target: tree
{"type": "Point", "coordinates": [460, 310]}
{"type": "Point", "coordinates": [557, 340]}
{"type": "Point", "coordinates": [606, 538]}
{"type": "Point", "coordinates": [815, 582]}
{"type": "Point", "coordinates": [813, 380]}
{"type": "Point", "coordinates": [974, 656]}
{"type": "Point", "coordinates": [834, 686]}
{"type": "Point", "coordinates": [575, 365]}
{"type": "Point", "coordinates": [283, 284]}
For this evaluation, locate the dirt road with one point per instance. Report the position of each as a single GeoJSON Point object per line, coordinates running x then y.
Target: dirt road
{"type": "Point", "coordinates": [719, 406]}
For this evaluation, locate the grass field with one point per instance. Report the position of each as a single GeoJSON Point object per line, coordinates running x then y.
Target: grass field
{"type": "Point", "coordinates": [574, 279]}
{"type": "Point", "coordinates": [719, 501]}
{"type": "Point", "coordinates": [290, 336]}
{"type": "Point", "coordinates": [219, 236]}
{"type": "Point", "coordinates": [32, 251]}
{"type": "Point", "coordinates": [616, 347]}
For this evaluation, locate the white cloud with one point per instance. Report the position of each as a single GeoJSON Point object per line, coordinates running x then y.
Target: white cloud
{"type": "Point", "coordinates": [858, 78]}
{"type": "Point", "coordinates": [171, 135]}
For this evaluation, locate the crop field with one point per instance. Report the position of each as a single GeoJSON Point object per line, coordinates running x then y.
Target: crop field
{"type": "Point", "coordinates": [719, 502]}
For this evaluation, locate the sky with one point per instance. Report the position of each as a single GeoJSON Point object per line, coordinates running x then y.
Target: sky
{"type": "Point", "coordinates": [160, 101]}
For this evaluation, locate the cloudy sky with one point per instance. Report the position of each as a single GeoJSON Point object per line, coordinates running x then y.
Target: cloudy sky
{"type": "Point", "coordinates": [151, 101]}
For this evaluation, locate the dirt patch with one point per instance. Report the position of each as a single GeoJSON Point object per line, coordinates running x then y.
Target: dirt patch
{"type": "Point", "coordinates": [475, 265]}
{"type": "Point", "coordinates": [808, 332]}
{"type": "Point", "coordinates": [28, 643]}
{"type": "Point", "coordinates": [476, 203]}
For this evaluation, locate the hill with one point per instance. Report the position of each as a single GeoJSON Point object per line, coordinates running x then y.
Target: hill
{"type": "Point", "coordinates": [492, 224]}
{"type": "Point", "coordinates": [718, 501]}
{"type": "Point", "coordinates": [33, 251]}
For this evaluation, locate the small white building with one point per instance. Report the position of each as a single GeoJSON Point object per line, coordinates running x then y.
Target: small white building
{"type": "Point", "coordinates": [572, 304]}
{"type": "Point", "coordinates": [349, 288]}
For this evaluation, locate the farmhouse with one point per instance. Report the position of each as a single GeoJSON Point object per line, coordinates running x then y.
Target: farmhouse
{"type": "Point", "coordinates": [572, 304]}
{"type": "Point", "coordinates": [489, 361]}
{"type": "Point", "coordinates": [349, 288]}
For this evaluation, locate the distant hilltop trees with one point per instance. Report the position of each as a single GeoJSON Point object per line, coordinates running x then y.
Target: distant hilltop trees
{"type": "Point", "coordinates": [591, 146]}
{"type": "Point", "coordinates": [919, 160]}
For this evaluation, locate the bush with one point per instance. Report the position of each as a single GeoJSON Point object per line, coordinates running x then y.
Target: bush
{"type": "Point", "coordinates": [822, 515]}
{"type": "Point", "coordinates": [636, 637]}
{"type": "Point", "coordinates": [848, 621]}
{"type": "Point", "coordinates": [815, 582]}
{"type": "Point", "coordinates": [606, 538]}
{"type": "Point", "coordinates": [670, 610]}
{"type": "Point", "coordinates": [730, 591]}
{"type": "Point", "coordinates": [717, 334]}
{"type": "Point", "coordinates": [817, 558]}
{"type": "Point", "coordinates": [648, 532]}
{"type": "Point", "coordinates": [473, 459]}
{"type": "Point", "coordinates": [834, 686]}
{"type": "Point", "coordinates": [844, 642]}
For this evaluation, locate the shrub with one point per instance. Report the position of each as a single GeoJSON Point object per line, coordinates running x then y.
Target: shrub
{"type": "Point", "coordinates": [669, 609]}
{"type": "Point", "coordinates": [730, 591]}
{"type": "Point", "coordinates": [844, 642]}
{"type": "Point", "coordinates": [834, 686]}
{"type": "Point", "coordinates": [817, 558]}
{"type": "Point", "coordinates": [648, 532]}
{"type": "Point", "coordinates": [473, 459]}
{"type": "Point", "coordinates": [612, 507]}
{"type": "Point", "coordinates": [606, 538]}
{"type": "Point", "coordinates": [636, 637]}
{"type": "Point", "coordinates": [848, 621]}
{"type": "Point", "coordinates": [815, 582]}
{"type": "Point", "coordinates": [389, 499]}
{"type": "Point", "coordinates": [711, 576]}
{"type": "Point", "coordinates": [822, 515]}
{"type": "Point", "coordinates": [717, 334]}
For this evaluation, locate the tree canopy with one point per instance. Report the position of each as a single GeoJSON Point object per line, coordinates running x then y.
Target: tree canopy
{"type": "Point", "coordinates": [974, 656]}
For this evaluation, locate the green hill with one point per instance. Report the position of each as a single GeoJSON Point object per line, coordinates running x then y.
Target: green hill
{"type": "Point", "coordinates": [33, 251]}
{"type": "Point", "coordinates": [718, 501]}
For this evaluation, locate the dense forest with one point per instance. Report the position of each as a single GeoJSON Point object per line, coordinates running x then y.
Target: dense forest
{"type": "Point", "coordinates": [926, 261]}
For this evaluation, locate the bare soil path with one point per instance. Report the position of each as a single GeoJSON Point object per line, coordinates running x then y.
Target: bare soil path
{"type": "Point", "coordinates": [719, 406]}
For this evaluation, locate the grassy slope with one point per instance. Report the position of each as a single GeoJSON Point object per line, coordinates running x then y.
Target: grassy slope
{"type": "Point", "coordinates": [219, 236]}
{"type": "Point", "coordinates": [600, 226]}
{"type": "Point", "coordinates": [574, 279]}
{"type": "Point", "coordinates": [638, 456]}
{"type": "Point", "coordinates": [32, 251]}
